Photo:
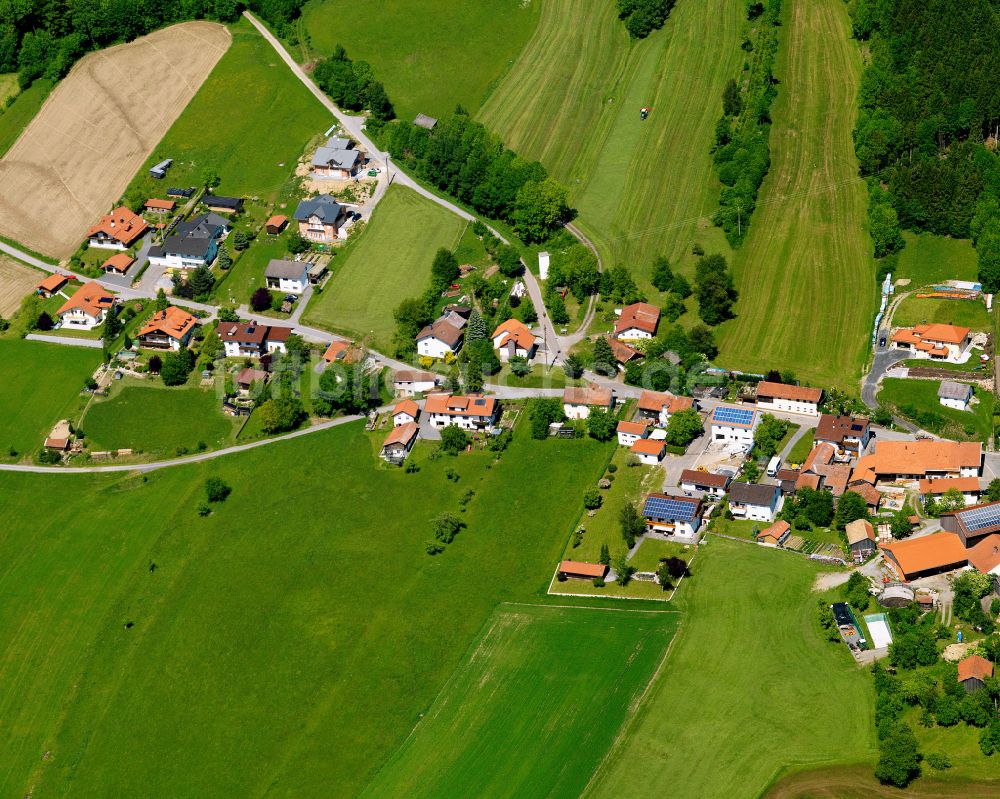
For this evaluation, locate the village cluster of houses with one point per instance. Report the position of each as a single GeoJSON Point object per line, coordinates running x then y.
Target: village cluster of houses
{"type": "Point", "coordinates": [443, 338]}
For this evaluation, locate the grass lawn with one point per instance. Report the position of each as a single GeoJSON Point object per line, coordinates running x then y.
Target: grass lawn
{"type": "Point", "coordinates": [531, 684]}
{"type": "Point", "coordinates": [15, 118]}
{"type": "Point", "coordinates": [948, 366]}
{"type": "Point", "coordinates": [149, 417]}
{"type": "Point", "coordinates": [802, 448]}
{"type": "Point", "coordinates": [39, 385]}
{"type": "Point", "coordinates": [807, 239]}
{"type": "Point", "coordinates": [247, 273]}
{"type": "Point", "coordinates": [429, 57]}
{"type": "Point", "coordinates": [390, 262]}
{"type": "Point", "coordinates": [964, 313]}
{"type": "Point", "coordinates": [652, 550]}
{"type": "Point", "coordinates": [538, 377]}
{"type": "Point", "coordinates": [250, 121]}
{"type": "Point", "coordinates": [572, 100]}
{"type": "Point", "coordinates": [736, 528]}
{"type": "Point", "coordinates": [917, 400]}
{"type": "Point", "coordinates": [300, 624]}
{"type": "Point", "coordinates": [927, 258]}
{"type": "Point", "coordinates": [708, 726]}
{"type": "Point", "coordinates": [8, 87]}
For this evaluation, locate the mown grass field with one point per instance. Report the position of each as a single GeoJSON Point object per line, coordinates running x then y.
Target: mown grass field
{"type": "Point", "coordinates": [975, 424]}
{"type": "Point", "coordinates": [15, 118]}
{"type": "Point", "coordinates": [964, 313]}
{"type": "Point", "coordinates": [390, 262]}
{"type": "Point", "coordinates": [158, 420]}
{"type": "Point", "coordinates": [250, 121]}
{"type": "Point", "coordinates": [572, 100]}
{"type": "Point", "coordinates": [288, 643]}
{"type": "Point", "coordinates": [429, 56]}
{"type": "Point", "coordinates": [927, 258]}
{"type": "Point", "coordinates": [39, 385]}
{"type": "Point", "coordinates": [715, 723]}
{"type": "Point", "coordinates": [531, 710]}
{"type": "Point", "coordinates": [858, 782]}
{"type": "Point", "coordinates": [805, 273]}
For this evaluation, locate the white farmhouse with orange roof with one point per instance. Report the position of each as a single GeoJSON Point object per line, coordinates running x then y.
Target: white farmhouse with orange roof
{"type": "Point", "coordinates": [87, 308]}
{"type": "Point", "coordinates": [937, 342]}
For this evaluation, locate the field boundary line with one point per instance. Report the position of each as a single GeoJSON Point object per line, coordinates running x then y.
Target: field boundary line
{"type": "Point", "coordinates": [588, 607]}
{"type": "Point", "coordinates": [637, 703]}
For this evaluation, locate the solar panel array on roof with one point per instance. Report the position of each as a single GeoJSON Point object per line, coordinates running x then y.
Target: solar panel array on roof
{"type": "Point", "coordinates": [980, 518]}
{"type": "Point", "coordinates": [727, 415]}
{"type": "Point", "coordinates": [668, 508]}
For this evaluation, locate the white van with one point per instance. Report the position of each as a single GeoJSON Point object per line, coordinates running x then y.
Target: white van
{"type": "Point", "coordinates": [773, 465]}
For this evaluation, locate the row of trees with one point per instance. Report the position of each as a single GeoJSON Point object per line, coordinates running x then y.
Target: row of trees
{"type": "Point", "coordinates": [44, 38]}
{"type": "Point", "coordinates": [459, 156]}
{"type": "Point", "coordinates": [741, 153]}
{"type": "Point", "coordinates": [926, 106]}
{"type": "Point", "coordinates": [352, 85]}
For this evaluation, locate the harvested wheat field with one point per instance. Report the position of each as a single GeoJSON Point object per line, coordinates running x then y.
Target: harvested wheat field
{"type": "Point", "coordinates": [96, 129]}
{"type": "Point", "coordinates": [16, 281]}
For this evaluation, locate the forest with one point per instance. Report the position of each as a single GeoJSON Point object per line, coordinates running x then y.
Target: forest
{"type": "Point", "coordinates": [929, 110]}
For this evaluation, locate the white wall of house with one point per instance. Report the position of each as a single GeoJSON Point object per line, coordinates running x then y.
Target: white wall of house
{"type": "Point", "coordinates": [440, 420]}
{"type": "Point", "coordinates": [633, 333]}
{"type": "Point", "coordinates": [957, 404]}
{"type": "Point", "coordinates": [687, 527]}
{"type": "Point", "coordinates": [691, 488]}
{"type": "Point", "coordinates": [789, 406]}
{"type": "Point", "coordinates": [402, 418]}
{"type": "Point", "coordinates": [576, 411]}
{"type": "Point", "coordinates": [77, 319]}
{"type": "Point", "coordinates": [647, 459]}
{"type": "Point", "coordinates": [433, 348]}
{"type": "Point", "coordinates": [627, 439]}
{"type": "Point", "coordinates": [758, 513]}
{"type": "Point", "coordinates": [175, 261]}
{"type": "Point", "coordinates": [275, 346]}
{"type": "Point", "coordinates": [107, 244]}
{"type": "Point", "coordinates": [290, 285]}
{"type": "Point", "coordinates": [235, 350]}
{"type": "Point", "coordinates": [741, 435]}
{"type": "Point", "coordinates": [419, 387]}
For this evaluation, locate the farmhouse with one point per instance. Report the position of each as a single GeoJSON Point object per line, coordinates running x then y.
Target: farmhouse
{"type": "Point", "coordinates": [582, 570]}
{"type": "Point", "coordinates": [440, 339]}
{"type": "Point", "coordinates": [955, 395]}
{"type": "Point", "coordinates": [51, 285]}
{"type": "Point", "coordinates": [922, 557]}
{"type": "Point", "coordinates": [118, 230]}
{"type": "Point", "coordinates": [649, 451]}
{"type": "Point", "coordinates": [755, 501]}
{"type": "Point", "coordinates": [708, 483]}
{"type": "Point", "coordinates": [118, 264]}
{"type": "Point", "coordinates": [973, 672]}
{"type": "Point", "coordinates": [774, 535]}
{"type": "Point", "coordinates": [406, 411]}
{"type": "Point", "coordinates": [968, 487]}
{"type": "Point", "coordinates": [637, 321]}
{"type": "Point", "coordinates": [670, 515]}
{"type": "Point", "coordinates": [87, 308]}
{"type": "Point", "coordinates": [848, 434]}
{"type": "Point", "coordinates": [399, 442]}
{"type": "Point", "coordinates": [289, 276]}
{"type": "Point", "coordinates": [577, 402]}
{"type": "Point", "coordinates": [861, 539]}
{"type": "Point", "coordinates": [735, 424]}
{"type": "Point", "coordinates": [223, 205]}
{"type": "Point", "coordinates": [630, 432]}
{"type": "Point", "coordinates": [657, 406]}
{"type": "Point", "coordinates": [937, 341]}
{"type": "Point", "coordinates": [193, 243]}
{"type": "Point", "coordinates": [787, 398]}
{"type": "Point", "coordinates": [156, 206]}
{"type": "Point", "coordinates": [60, 437]}
{"type": "Point", "coordinates": [333, 160]}
{"type": "Point", "coordinates": [251, 340]}
{"type": "Point", "coordinates": [912, 460]}
{"type": "Point", "coordinates": [407, 382]}
{"type": "Point", "coordinates": [974, 523]}
{"type": "Point", "coordinates": [275, 225]}
{"type": "Point", "coordinates": [513, 338]}
{"type": "Point", "coordinates": [472, 412]}
{"type": "Point", "coordinates": [319, 219]}
{"type": "Point", "coordinates": [169, 329]}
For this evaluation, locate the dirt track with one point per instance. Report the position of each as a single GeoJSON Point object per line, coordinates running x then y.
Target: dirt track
{"type": "Point", "coordinates": [96, 129]}
{"type": "Point", "coordinates": [857, 782]}
{"type": "Point", "coordinates": [15, 283]}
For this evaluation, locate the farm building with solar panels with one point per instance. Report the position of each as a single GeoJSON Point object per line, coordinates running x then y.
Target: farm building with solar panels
{"type": "Point", "coordinates": [674, 516]}
{"type": "Point", "coordinates": [734, 424]}
{"type": "Point", "coordinates": [974, 523]}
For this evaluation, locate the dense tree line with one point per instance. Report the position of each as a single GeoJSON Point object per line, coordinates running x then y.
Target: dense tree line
{"type": "Point", "coordinates": [742, 154]}
{"type": "Point", "coordinates": [460, 157]}
{"type": "Point", "coordinates": [44, 38]}
{"type": "Point", "coordinates": [352, 85]}
{"type": "Point", "coordinates": [642, 17]}
{"type": "Point", "coordinates": [714, 290]}
{"type": "Point", "coordinates": [928, 103]}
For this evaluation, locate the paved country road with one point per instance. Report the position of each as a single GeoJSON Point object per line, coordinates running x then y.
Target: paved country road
{"type": "Point", "coordinates": [66, 341]}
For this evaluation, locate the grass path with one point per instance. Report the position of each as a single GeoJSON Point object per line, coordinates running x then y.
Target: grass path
{"type": "Point", "coordinates": [805, 273]}
{"type": "Point", "coordinates": [749, 688]}
{"type": "Point", "coordinates": [573, 99]}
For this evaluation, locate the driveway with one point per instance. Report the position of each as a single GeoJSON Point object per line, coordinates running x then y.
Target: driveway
{"type": "Point", "coordinates": [67, 341]}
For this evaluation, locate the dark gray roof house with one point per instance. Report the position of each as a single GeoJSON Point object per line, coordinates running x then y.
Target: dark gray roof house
{"type": "Point", "coordinates": [325, 207]}
{"type": "Point", "coordinates": [949, 389]}
{"type": "Point", "coordinates": [223, 203]}
{"type": "Point", "coordinates": [338, 143]}
{"type": "Point", "coordinates": [337, 159]}
{"type": "Point", "coordinates": [282, 269]}
{"type": "Point", "coordinates": [203, 226]}
{"type": "Point", "coordinates": [753, 494]}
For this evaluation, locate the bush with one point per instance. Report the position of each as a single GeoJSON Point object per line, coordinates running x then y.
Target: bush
{"type": "Point", "coordinates": [598, 582]}
{"type": "Point", "coordinates": [204, 509]}
{"type": "Point", "coordinates": [612, 468]}
{"type": "Point", "coordinates": [216, 489]}
{"type": "Point", "coordinates": [938, 760]}
{"type": "Point", "coordinates": [592, 499]}
{"type": "Point", "coordinates": [260, 300]}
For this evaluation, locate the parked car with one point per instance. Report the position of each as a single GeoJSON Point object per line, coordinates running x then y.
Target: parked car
{"type": "Point", "coordinates": [881, 341]}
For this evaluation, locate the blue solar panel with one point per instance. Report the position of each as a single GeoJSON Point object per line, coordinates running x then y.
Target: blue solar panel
{"type": "Point", "coordinates": [980, 518]}
{"type": "Point", "coordinates": [668, 508]}
{"type": "Point", "coordinates": [728, 415]}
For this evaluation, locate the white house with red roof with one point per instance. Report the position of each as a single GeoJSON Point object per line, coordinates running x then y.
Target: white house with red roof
{"type": "Point", "coordinates": [937, 342]}
{"type": "Point", "coordinates": [118, 230]}
{"type": "Point", "coordinates": [471, 412]}
{"type": "Point", "coordinates": [87, 308]}
{"type": "Point", "coordinates": [252, 339]}
{"type": "Point", "coordinates": [578, 400]}
{"type": "Point", "coordinates": [169, 329]}
{"type": "Point", "coordinates": [513, 338]}
{"type": "Point", "coordinates": [788, 399]}
{"type": "Point", "coordinates": [649, 451]}
{"type": "Point", "coordinates": [406, 411]}
{"type": "Point", "coordinates": [637, 321]}
{"type": "Point", "coordinates": [657, 406]}
{"type": "Point", "coordinates": [734, 424]}
{"type": "Point", "coordinates": [630, 432]}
